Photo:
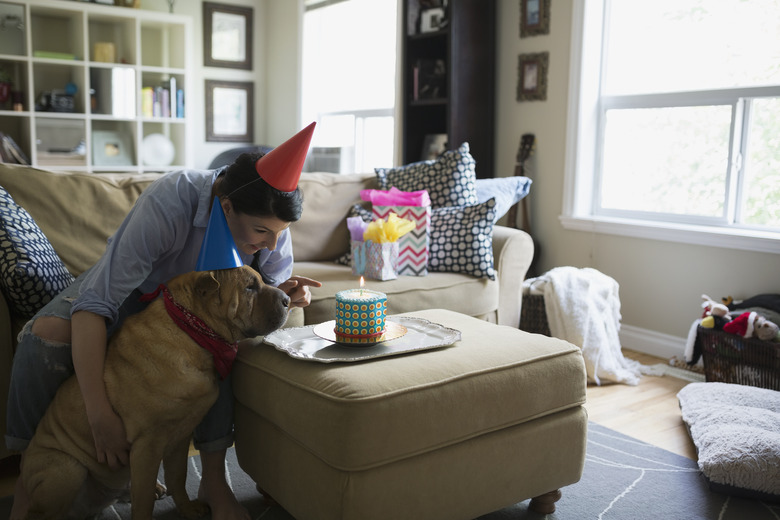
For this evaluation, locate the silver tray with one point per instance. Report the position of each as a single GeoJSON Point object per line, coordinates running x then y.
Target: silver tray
{"type": "Point", "coordinates": [302, 343]}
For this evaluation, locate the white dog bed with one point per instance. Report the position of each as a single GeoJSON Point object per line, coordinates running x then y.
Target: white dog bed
{"type": "Point", "coordinates": [736, 430]}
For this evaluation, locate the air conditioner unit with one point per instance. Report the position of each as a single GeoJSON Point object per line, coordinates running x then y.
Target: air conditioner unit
{"type": "Point", "coordinates": [330, 159]}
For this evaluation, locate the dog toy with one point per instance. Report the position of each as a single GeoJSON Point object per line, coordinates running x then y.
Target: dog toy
{"type": "Point", "coordinates": [752, 324]}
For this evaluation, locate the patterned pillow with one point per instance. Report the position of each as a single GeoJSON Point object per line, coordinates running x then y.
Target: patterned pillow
{"type": "Point", "coordinates": [449, 179]}
{"type": "Point", "coordinates": [506, 190]}
{"type": "Point", "coordinates": [31, 272]}
{"type": "Point", "coordinates": [461, 240]}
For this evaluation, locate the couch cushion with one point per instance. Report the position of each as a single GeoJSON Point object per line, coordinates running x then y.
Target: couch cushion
{"type": "Point", "coordinates": [31, 273]}
{"type": "Point", "coordinates": [321, 233]}
{"type": "Point", "coordinates": [449, 179]}
{"type": "Point", "coordinates": [361, 415]}
{"type": "Point", "coordinates": [94, 204]}
{"type": "Point", "coordinates": [464, 294]}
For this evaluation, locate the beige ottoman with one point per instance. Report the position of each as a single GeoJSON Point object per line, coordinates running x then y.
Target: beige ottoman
{"type": "Point", "coordinates": [454, 432]}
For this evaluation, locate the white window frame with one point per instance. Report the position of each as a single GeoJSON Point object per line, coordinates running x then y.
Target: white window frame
{"type": "Point", "coordinates": [582, 145]}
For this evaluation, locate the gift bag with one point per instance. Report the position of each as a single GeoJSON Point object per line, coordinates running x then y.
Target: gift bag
{"type": "Point", "coordinates": [413, 246]}
{"type": "Point", "coordinates": [378, 261]}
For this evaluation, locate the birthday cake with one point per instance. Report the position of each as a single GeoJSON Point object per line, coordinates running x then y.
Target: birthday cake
{"type": "Point", "coordinates": [360, 315]}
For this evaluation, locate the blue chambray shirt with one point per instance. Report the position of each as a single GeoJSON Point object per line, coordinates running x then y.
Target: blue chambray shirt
{"type": "Point", "coordinates": [161, 238]}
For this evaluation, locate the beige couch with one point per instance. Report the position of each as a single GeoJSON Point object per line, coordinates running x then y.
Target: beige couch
{"type": "Point", "coordinates": [79, 211]}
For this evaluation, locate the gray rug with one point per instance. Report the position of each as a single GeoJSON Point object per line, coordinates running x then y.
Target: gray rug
{"type": "Point", "coordinates": [624, 479]}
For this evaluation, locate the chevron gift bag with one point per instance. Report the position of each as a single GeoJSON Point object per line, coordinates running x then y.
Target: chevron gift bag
{"type": "Point", "coordinates": [413, 246]}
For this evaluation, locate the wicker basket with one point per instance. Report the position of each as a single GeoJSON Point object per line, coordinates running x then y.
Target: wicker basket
{"type": "Point", "coordinates": [730, 358]}
{"type": "Point", "coordinates": [533, 317]}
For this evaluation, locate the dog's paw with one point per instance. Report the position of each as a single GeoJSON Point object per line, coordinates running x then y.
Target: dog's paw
{"type": "Point", "coordinates": [193, 509]}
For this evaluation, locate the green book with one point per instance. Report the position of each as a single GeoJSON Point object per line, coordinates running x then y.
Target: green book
{"type": "Point", "coordinates": [54, 55]}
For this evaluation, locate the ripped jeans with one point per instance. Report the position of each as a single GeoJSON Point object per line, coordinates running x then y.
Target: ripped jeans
{"type": "Point", "coordinates": [41, 366]}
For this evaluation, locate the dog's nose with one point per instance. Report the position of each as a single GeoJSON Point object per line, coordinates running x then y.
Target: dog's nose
{"type": "Point", "coordinates": [286, 300]}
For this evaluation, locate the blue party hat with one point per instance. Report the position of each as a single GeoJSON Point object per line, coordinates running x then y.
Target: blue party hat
{"type": "Point", "coordinates": [218, 250]}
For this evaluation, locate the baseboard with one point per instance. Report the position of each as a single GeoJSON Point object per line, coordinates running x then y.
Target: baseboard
{"type": "Point", "coordinates": [650, 342]}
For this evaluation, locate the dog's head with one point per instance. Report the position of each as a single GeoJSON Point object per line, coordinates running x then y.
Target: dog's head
{"type": "Point", "coordinates": [234, 302]}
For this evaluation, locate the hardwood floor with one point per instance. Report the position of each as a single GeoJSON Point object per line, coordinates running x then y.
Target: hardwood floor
{"type": "Point", "coordinates": [648, 411]}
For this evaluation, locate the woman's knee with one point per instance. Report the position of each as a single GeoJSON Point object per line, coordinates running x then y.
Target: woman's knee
{"type": "Point", "coordinates": [52, 328]}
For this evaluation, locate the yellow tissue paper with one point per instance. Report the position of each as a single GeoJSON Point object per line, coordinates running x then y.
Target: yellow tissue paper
{"type": "Point", "coordinates": [381, 231]}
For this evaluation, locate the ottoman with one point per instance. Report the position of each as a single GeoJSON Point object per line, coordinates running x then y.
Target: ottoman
{"type": "Point", "coordinates": [448, 433]}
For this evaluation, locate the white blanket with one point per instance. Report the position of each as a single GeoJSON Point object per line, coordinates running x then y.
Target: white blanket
{"type": "Point", "coordinates": [583, 308]}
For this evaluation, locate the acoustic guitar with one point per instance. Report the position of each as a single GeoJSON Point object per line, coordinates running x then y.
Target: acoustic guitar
{"type": "Point", "coordinates": [524, 152]}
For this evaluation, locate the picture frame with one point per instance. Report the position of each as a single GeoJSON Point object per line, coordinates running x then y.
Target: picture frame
{"type": "Point", "coordinates": [230, 111]}
{"type": "Point", "coordinates": [532, 76]}
{"type": "Point", "coordinates": [534, 17]}
{"type": "Point", "coordinates": [227, 36]}
{"type": "Point", "coordinates": [112, 148]}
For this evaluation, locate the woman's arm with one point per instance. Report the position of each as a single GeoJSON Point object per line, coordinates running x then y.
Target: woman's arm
{"type": "Point", "coordinates": [89, 355]}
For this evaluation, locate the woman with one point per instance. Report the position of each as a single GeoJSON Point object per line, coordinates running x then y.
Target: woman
{"type": "Point", "coordinates": [160, 238]}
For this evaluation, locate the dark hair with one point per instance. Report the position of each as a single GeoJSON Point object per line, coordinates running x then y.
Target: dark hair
{"type": "Point", "coordinates": [251, 195]}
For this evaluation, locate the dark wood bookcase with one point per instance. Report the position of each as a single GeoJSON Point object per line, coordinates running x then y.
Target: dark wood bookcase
{"type": "Point", "coordinates": [449, 77]}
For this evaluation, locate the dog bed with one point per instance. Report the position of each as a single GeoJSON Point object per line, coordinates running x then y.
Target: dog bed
{"type": "Point", "coordinates": [736, 430]}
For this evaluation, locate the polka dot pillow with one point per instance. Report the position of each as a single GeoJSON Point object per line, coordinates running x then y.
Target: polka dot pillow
{"type": "Point", "coordinates": [461, 240]}
{"type": "Point", "coordinates": [450, 179]}
{"type": "Point", "coordinates": [31, 272]}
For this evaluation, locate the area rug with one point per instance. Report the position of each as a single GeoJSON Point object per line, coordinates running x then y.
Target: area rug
{"type": "Point", "coordinates": [624, 479]}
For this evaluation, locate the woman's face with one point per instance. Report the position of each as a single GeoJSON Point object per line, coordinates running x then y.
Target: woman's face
{"type": "Point", "coordinates": [252, 233]}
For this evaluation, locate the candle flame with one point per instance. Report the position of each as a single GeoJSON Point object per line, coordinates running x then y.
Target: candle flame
{"type": "Point", "coordinates": [362, 282]}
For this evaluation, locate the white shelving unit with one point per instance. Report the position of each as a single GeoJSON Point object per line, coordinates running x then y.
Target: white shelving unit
{"type": "Point", "coordinates": [97, 113]}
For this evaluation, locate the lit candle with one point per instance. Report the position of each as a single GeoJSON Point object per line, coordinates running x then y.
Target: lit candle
{"type": "Point", "coordinates": [362, 283]}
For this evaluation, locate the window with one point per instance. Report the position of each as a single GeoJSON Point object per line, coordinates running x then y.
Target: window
{"type": "Point", "coordinates": [675, 121]}
{"type": "Point", "coordinates": [349, 77]}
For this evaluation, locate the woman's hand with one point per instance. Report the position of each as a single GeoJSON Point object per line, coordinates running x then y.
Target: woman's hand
{"type": "Point", "coordinates": [297, 288]}
{"type": "Point", "coordinates": [88, 334]}
{"type": "Point", "coordinates": [111, 444]}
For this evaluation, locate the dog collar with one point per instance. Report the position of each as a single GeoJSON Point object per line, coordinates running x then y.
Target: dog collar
{"type": "Point", "coordinates": [224, 352]}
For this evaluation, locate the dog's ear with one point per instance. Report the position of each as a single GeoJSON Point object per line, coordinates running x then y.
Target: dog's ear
{"type": "Point", "coordinates": [206, 284]}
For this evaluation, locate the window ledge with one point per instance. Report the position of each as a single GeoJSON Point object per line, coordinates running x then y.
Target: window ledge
{"type": "Point", "coordinates": [741, 239]}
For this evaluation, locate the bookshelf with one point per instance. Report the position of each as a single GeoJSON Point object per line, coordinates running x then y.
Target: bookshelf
{"type": "Point", "coordinates": [90, 83]}
{"type": "Point", "coordinates": [449, 77]}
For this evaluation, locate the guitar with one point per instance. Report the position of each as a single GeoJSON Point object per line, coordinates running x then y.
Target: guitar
{"type": "Point", "coordinates": [526, 149]}
{"type": "Point", "coordinates": [524, 152]}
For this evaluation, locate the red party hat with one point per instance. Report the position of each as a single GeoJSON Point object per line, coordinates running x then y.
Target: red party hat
{"type": "Point", "coordinates": [218, 250]}
{"type": "Point", "coordinates": [281, 167]}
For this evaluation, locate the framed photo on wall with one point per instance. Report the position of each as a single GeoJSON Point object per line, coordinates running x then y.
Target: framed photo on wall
{"type": "Point", "coordinates": [534, 17]}
{"type": "Point", "coordinates": [532, 76]}
{"type": "Point", "coordinates": [229, 111]}
{"type": "Point", "coordinates": [227, 36]}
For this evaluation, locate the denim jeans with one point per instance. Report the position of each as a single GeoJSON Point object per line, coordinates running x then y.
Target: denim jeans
{"type": "Point", "coordinates": [41, 366]}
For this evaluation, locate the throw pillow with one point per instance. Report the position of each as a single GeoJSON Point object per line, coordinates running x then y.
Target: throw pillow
{"type": "Point", "coordinates": [449, 179]}
{"type": "Point", "coordinates": [461, 240]}
{"type": "Point", "coordinates": [31, 272]}
{"type": "Point", "coordinates": [507, 191]}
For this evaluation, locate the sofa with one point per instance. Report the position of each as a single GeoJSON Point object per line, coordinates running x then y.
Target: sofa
{"type": "Point", "coordinates": [78, 211]}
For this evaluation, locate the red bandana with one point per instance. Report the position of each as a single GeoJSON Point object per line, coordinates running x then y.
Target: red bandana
{"type": "Point", "coordinates": [224, 352]}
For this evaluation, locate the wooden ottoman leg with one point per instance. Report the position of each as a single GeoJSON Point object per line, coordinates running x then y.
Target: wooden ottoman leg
{"type": "Point", "coordinates": [545, 504]}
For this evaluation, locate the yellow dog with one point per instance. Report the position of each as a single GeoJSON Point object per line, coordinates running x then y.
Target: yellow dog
{"type": "Point", "coordinates": [161, 382]}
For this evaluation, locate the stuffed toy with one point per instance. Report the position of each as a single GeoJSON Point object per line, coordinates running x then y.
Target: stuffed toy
{"type": "Point", "coordinates": [752, 324]}
{"type": "Point", "coordinates": [715, 315]}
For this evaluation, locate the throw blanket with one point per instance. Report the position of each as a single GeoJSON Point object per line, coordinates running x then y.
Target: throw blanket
{"type": "Point", "coordinates": [583, 308]}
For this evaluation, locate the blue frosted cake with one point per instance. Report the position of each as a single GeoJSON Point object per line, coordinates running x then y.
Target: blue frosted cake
{"type": "Point", "coordinates": [360, 315]}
